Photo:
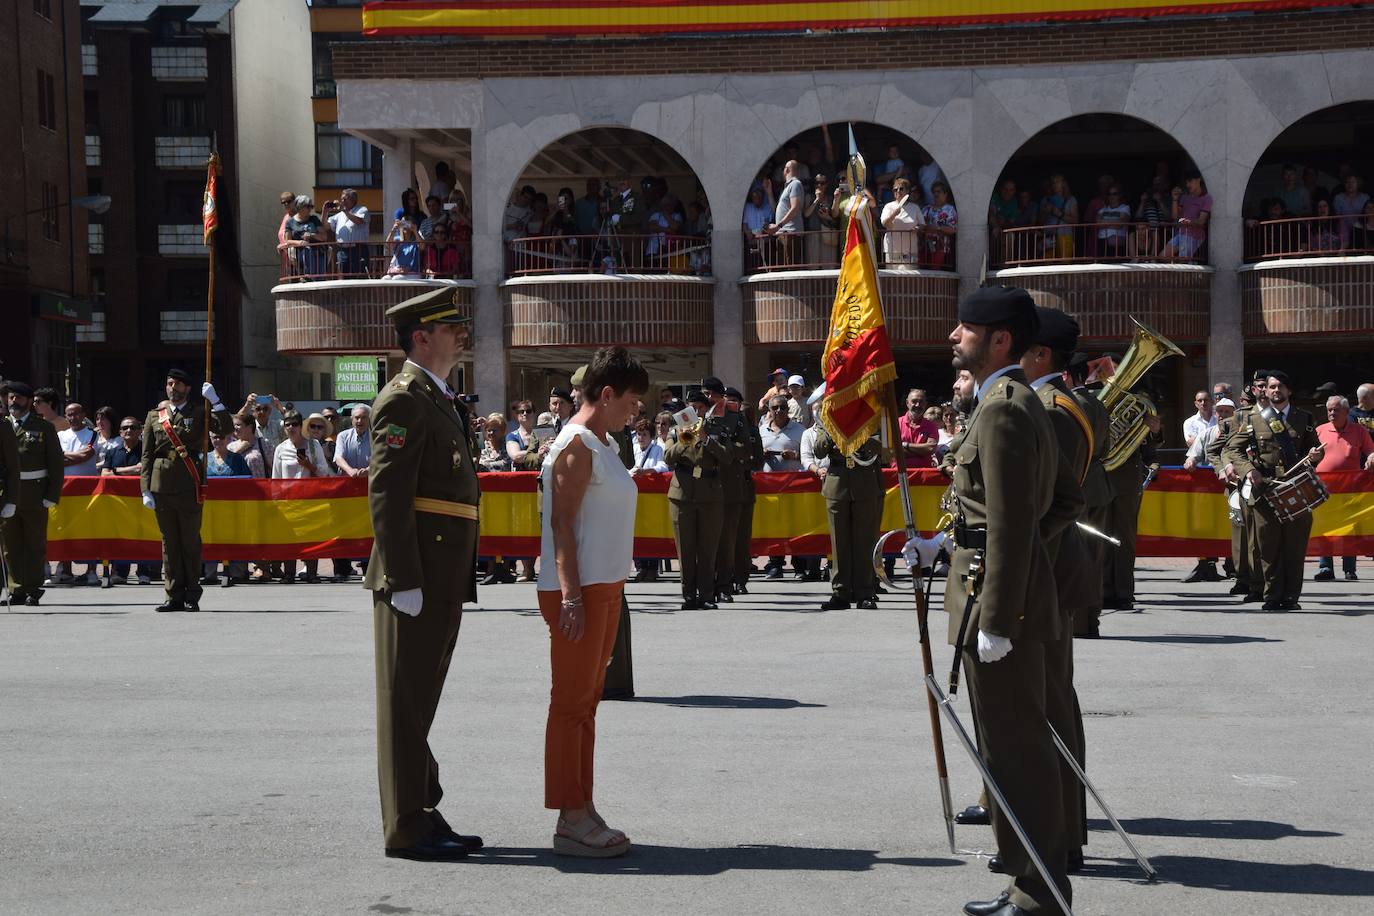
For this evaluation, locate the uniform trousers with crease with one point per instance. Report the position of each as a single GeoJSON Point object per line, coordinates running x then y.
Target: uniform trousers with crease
{"type": "Point", "coordinates": [1063, 712]}
{"type": "Point", "coordinates": [26, 538]}
{"type": "Point", "coordinates": [696, 531]}
{"type": "Point", "coordinates": [579, 678]}
{"type": "Point", "coordinates": [178, 518]}
{"type": "Point", "coordinates": [1283, 551]}
{"type": "Point", "coordinates": [731, 510]}
{"type": "Point", "coordinates": [1008, 698]}
{"type": "Point", "coordinates": [413, 655]}
{"type": "Point", "coordinates": [854, 529]}
{"type": "Point", "coordinates": [743, 561]}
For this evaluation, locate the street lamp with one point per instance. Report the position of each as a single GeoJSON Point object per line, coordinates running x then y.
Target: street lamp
{"type": "Point", "coordinates": [96, 203]}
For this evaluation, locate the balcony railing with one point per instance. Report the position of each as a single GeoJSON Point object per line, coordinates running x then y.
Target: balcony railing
{"type": "Point", "coordinates": [307, 261]}
{"type": "Point", "coordinates": [926, 248]}
{"type": "Point", "coordinates": [609, 253]}
{"type": "Point", "coordinates": [1098, 243]}
{"type": "Point", "coordinates": [1309, 237]}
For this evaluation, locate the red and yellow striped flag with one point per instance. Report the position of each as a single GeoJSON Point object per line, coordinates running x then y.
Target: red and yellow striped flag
{"type": "Point", "coordinates": [209, 209]}
{"type": "Point", "coordinates": [857, 361]}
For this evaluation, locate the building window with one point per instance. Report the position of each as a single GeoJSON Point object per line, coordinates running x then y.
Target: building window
{"type": "Point", "coordinates": [181, 112]}
{"type": "Point", "coordinates": [181, 152]}
{"type": "Point", "coordinates": [342, 161]}
{"type": "Point", "coordinates": [181, 239]}
{"type": "Point", "coordinates": [186, 289]}
{"type": "Point", "coordinates": [89, 61]}
{"type": "Point", "coordinates": [323, 61]}
{"type": "Point", "coordinates": [93, 333]}
{"type": "Point", "coordinates": [182, 327]}
{"type": "Point", "coordinates": [171, 63]}
{"type": "Point", "coordinates": [47, 100]}
{"type": "Point", "coordinates": [95, 238]}
{"type": "Point", "coordinates": [43, 8]}
{"type": "Point", "coordinates": [92, 149]}
{"type": "Point", "coordinates": [51, 225]}
{"type": "Point", "coordinates": [184, 201]}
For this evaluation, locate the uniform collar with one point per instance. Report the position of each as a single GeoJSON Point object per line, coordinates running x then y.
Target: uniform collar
{"type": "Point", "coordinates": [439, 383]}
{"type": "Point", "coordinates": [987, 382]}
{"type": "Point", "coordinates": [1043, 380]}
{"type": "Point", "coordinates": [20, 421]}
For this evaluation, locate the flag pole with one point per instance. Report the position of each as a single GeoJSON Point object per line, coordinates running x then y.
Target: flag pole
{"type": "Point", "coordinates": [888, 419]}
{"type": "Point", "coordinates": [210, 221]}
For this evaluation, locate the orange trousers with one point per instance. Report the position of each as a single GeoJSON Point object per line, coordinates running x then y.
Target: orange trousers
{"type": "Point", "coordinates": [579, 676]}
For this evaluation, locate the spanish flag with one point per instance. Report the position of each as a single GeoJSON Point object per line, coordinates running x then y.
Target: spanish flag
{"type": "Point", "coordinates": [857, 361]}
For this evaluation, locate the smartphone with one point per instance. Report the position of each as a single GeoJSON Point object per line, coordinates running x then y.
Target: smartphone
{"type": "Point", "coordinates": [264, 399]}
{"type": "Point", "coordinates": [450, 206]}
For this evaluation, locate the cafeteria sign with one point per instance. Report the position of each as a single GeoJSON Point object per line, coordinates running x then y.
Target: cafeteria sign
{"type": "Point", "coordinates": [355, 377]}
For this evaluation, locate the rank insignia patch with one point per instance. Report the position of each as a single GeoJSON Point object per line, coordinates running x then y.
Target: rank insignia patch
{"type": "Point", "coordinates": [395, 436]}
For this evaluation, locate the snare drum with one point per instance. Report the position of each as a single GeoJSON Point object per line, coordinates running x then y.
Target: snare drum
{"type": "Point", "coordinates": [1295, 496]}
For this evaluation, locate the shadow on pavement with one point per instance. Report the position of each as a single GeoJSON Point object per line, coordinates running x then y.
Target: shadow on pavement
{"type": "Point", "coordinates": [677, 860]}
{"type": "Point", "coordinates": [728, 702]}
{"type": "Point", "coordinates": [1203, 639]}
{"type": "Point", "coordinates": [1313, 879]}
{"type": "Point", "coordinates": [1212, 828]}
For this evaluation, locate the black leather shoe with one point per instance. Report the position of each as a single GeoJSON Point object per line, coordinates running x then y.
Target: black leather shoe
{"type": "Point", "coordinates": [835, 604]}
{"type": "Point", "coordinates": [488, 579]}
{"type": "Point", "coordinates": [1251, 597]}
{"type": "Point", "coordinates": [773, 573]}
{"type": "Point", "coordinates": [1290, 605]}
{"type": "Point", "coordinates": [1351, 577]}
{"type": "Point", "coordinates": [30, 601]}
{"type": "Point", "coordinates": [193, 607]}
{"type": "Point", "coordinates": [1196, 575]}
{"type": "Point", "coordinates": [1272, 606]}
{"type": "Point", "coordinates": [435, 849]}
{"type": "Point", "coordinates": [996, 866]}
{"type": "Point", "coordinates": [441, 828]}
{"type": "Point", "coordinates": [984, 907]}
{"type": "Point", "coordinates": [724, 597]}
{"type": "Point", "coordinates": [1210, 574]}
{"type": "Point", "coordinates": [868, 604]}
{"type": "Point", "coordinates": [1006, 909]}
{"type": "Point", "coordinates": [169, 607]}
{"type": "Point", "coordinates": [709, 606]}
{"type": "Point", "coordinates": [1324, 575]}
{"type": "Point", "coordinates": [973, 814]}
{"type": "Point", "coordinates": [1240, 588]}
{"type": "Point", "coordinates": [1094, 632]}
{"type": "Point", "coordinates": [691, 604]}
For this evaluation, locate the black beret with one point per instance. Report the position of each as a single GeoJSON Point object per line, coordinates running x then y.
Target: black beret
{"type": "Point", "coordinates": [734, 394]}
{"type": "Point", "coordinates": [996, 305]}
{"type": "Point", "coordinates": [560, 393]}
{"type": "Point", "coordinates": [23, 389]}
{"type": "Point", "coordinates": [1282, 377]}
{"type": "Point", "coordinates": [179, 375]}
{"type": "Point", "coordinates": [1260, 375]}
{"type": "Point", "coordinates": [697, 396]}
{"type": "Point", "coordinates": [444, 305]}
{"type": "Point", "coordinates": [713, 385]}
{"type": "Point", "coordinates": [1328, 388]}
{"type": "Point", "coordinates": [1058, 330]}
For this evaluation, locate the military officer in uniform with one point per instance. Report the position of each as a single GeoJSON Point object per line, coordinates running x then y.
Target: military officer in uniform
{"type": "Point", "coordinates": [1240, 548]}
{"type": "Point", "coordinates": [741, 564]}
{"type": "Point", "coordinates": [1263, 448]}
{"type": "Point", "coordinates": [1001, 595]}
{"type": "Point", "coordinates": [729, 425]}
{"type": "Point", "coordinates": [38, 471]}
{"type": "Point", "coordinates": [1097, 495]}
{"type": "Point", "coordinates": [1254, 581]}
{"type": "Point", "coordinates": [172, 470]}
{"type": "Point", "coordinates": [423, 496]}
{"type": "Point", "coordinates": [695, 503]}
{"type": "Point", "coordinates": [853, 491]}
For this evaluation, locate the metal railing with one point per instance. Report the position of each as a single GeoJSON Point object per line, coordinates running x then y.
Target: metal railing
{"type": "Point", "coordinates": [926, 248]}
{"type": "Point", "coordinates": [1110, 242]}
{"type": "Point", "coordinates": [609, 253]}
{"type": "Point", "coordinates": [308, 261]}
{"type": "Point", "coordinates": [1308, 236]}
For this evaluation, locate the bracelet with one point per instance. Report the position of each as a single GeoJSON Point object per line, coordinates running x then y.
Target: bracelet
{"type": "Point", "coordinates": [570, 604]}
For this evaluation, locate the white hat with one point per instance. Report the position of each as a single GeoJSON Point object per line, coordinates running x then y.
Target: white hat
{"type": "Point", "coordinates": [1226, 402]}
{"type": "Point", "coordinates": [817, 394]}
{"type": "Point", "coordinates": [796, 380]}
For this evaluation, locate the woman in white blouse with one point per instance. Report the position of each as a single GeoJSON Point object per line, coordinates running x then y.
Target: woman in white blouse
{"type": "Point", "coordinates": [902, 221]}
{"type": "Point", "coordinates": [298, 457]}
{"type": "Point", "coordinates": [585, 555]}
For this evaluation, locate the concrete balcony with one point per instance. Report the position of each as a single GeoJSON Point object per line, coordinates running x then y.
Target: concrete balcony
{"type": "Point", "coordinates": [592, 310]}
{"type": "Point", "coordinates": [1173, 298]}
{"type": "Point", "coordinates": [349, 316]}
{"type": "Point", "coordinates": [793, 306]}
{"type": "Point", "coordinates": [1308, 297]}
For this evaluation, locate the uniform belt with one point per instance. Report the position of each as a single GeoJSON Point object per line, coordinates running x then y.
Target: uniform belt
{"type": "Point", "coordinates": [972, 538]}
{"type": "Point", "coordinates": [690, 470]}
{"type": "Point", "coordinates": [33, 475]}
{"type": "Point", "coordinates": [445, 507]}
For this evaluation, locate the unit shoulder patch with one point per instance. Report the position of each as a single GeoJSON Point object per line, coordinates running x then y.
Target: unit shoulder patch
{"type": "Point", "coordinates": [395, 436]}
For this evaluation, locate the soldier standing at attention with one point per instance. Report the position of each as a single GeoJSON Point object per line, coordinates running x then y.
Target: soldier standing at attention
{"type": "Point", "coordinates": [751, 456]}
{"type": "Point", "coordinates": [1001, 589]}
{"type": "Point", "coordinates": [1264, 447]}
{"type": "Point", "coordinates": [695, 503]}
{"type": "Point", "coordinates": [730, 426]}
{"type": "Point", "coordinates": [171, 471]}
{"type": "Point", "coordinates": [37, 464]}
{"type": "Point", "coordinates": [1259, 401]}
{"type": "Point", "coordinates": [853, 491]}
{"type": "Point", "coordinates": [423, 495]}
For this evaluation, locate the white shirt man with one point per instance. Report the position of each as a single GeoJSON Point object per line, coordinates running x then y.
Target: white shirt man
{"type": "Point", "coordinates": [798, 409]}
{"type": "Point", "coordinates": [1197, 451]}
{"type": "Point", "coordinates": [353, 446]}
{"type": "Point", "coordinates": [808, 454]}
{"type": "Point", "coordinates": [350, 223]}
{"type": "Point", "coordinates": [787, 215]}
{"type": "Point", "coordinates": [75, 441]}
{"type": "Point", "coordinates": [1205, 418]}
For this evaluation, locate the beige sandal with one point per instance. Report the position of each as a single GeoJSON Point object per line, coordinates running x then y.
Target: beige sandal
{"type": "Point", "coordinates": [589, 840]}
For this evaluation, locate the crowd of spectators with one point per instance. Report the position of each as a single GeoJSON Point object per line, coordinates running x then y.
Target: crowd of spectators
{"type": "Point", "coordinates": [1299, 215]}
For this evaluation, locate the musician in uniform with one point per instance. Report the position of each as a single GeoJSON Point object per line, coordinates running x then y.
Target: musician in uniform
{"type": "Point", "coordinates": [1270, 443]}
{"type": "Point", "coordinates": [733, 474]}
{"type": "Point", "coordinates": [172, 474]}
{"type": "Point", "coordinates": [1253, 579]}
{"type": "Point", "coordinates": [1212, 449]}
{"type": "Point", "coordinates": [853, 491]}
{"type": "Point", "coordinates": [695, 503]}
{"type": "Point", "coordinates": [1097, 495]}
{"type": "Point", "coordinates": [741, 564]}
{"type": "Point", "coordinates": [1128, 480]}
{"type": "Point", "coordinates": [32, 488]}
{"type": "Point", "coordinates": [423, 496]}
{"type": "Point", "coordinates": [1001, 595]}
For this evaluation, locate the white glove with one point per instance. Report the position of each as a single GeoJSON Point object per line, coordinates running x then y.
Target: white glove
{"type": "Point", "coordinates": [921, 552]}
{"type": "Point", "coordinates": [48, 504]}
{"type": "Point", "coordinates": [148, 500]}
{"type": "Point", "coordinates": [992, 648]}
{"type": "Point", "coordinates": [7, 511]}
{"type": "Point", "coordinates": [207, 391]}
{"type": "Point", "coordinates": [615, 219]}
{"type": "Point", "coordinates": [407, 602]}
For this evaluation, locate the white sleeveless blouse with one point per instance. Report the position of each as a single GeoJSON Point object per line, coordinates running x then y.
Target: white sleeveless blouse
{"type": "Point", "coordinates": [605, 523]}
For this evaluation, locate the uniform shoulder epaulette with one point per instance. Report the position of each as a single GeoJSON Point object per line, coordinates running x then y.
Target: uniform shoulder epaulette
{"type": "Point", "coordinates": [402, 381]}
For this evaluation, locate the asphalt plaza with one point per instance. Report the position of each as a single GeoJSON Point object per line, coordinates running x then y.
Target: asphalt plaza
{"type": "Point", "coordinates": [777, 759]}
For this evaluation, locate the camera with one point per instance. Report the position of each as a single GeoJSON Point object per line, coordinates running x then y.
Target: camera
{"type": "Point", "coordinates": [468, 398]}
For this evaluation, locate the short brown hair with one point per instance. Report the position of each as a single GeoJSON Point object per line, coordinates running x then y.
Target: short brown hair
{"type": "Point", "coordinates": [614, 366]}
{"type": "Point", "coordinates": [642, 426]}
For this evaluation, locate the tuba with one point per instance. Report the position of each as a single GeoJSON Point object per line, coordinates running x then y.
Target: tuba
{"type": "Point", "coordinates": [1128, 411]}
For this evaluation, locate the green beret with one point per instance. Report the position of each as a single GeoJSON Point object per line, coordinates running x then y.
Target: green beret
{"type": "Point", "coordinates": [444, 305]}
{"type": "Point", "coordinates": [1058, 330]}
{"type": "Point", "coordinates": [579, 376]}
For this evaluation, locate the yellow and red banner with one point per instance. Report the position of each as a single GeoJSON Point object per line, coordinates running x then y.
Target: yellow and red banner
{"type": "Point", "coordinates": [857, 360]}
{"type": "Point", "coordinates": [1183, 514]}
{"type": "Point", "coordinates": [209, 208]}
{"type": "Point", "coordinates": [528, 18]}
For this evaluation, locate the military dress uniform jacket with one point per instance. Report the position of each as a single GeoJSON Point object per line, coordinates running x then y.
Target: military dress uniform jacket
{"type": "Point", "coordinates": [9, 464]}
{"type": "Point", "coordinates": [1097, 488]}
{"type": "Point", "coordinates": [1074, 575]}
{"type": "Point", "coordinates": [753, 459]}
{"type": "Point", "coordinates": [736, 475]}
{"type": "Point", "coordinates": [421, 452]}
{"type": "Point", "coordinates": [38, 450]}
{"type": "Point", "coordinates": [1005, 473]}
{"type": "Point", "coordinates": [863, 481]}
{"type": "Point", "coordinates": [697, 468]}
{"type": "Point", "coordinates": [163, 471]}
{"type": "Point", "coordinates": [1254, 445]}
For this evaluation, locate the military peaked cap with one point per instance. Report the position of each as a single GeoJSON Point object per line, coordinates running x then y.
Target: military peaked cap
{"type": "Point", "coordinates": [559, 393]}
{"type": "Point", "coordinates": [442, 306]}
{"type": "Point", "coordinates": [998, 305]}
{"type": "Point", "coordinates": [1058, 330]}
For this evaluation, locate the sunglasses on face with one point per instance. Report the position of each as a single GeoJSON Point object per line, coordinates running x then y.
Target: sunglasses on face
{"type": "Point", "coordinates": [778, 407]}
{"type": "Point", "coordinates": [292, 423]}
{"type": "Point", "coordinates": [127, 429]}
{"type": "Point", "coordinates": [316, 426]}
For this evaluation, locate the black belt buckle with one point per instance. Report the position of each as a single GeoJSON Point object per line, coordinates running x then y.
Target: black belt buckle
{"type": "Point", "coordinates": [972, 538]}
